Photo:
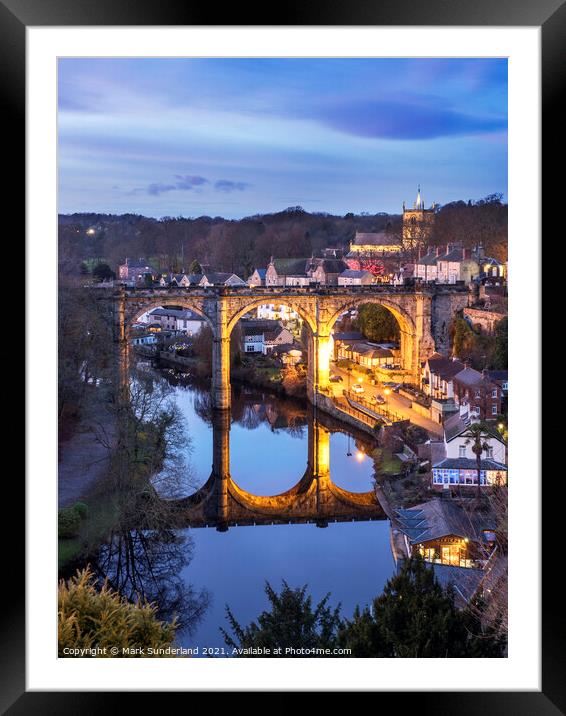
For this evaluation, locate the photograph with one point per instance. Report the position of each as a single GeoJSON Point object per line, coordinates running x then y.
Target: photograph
{"type": "Point", "coordinates": [282, 356]}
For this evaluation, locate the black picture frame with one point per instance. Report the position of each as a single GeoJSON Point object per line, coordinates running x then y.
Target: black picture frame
{"type": "Point", "coordinates": [550, 15]}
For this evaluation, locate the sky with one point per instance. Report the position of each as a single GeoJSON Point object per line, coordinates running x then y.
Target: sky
{"type": "Point", "coordinates": [237, 137]}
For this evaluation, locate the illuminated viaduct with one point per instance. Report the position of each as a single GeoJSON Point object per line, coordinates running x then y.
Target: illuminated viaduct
{"type": "Point", "coordinates": [423, 313]}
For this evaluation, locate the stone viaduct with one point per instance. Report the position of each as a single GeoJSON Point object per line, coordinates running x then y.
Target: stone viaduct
{"type": "Point", "coordinates": [423, 314]}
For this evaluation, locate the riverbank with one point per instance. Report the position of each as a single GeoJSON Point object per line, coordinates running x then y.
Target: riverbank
{"type": "Point", "coordinates": [84, 458]}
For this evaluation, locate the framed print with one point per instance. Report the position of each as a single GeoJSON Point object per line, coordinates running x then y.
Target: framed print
{"type": "Point", "coordinates": [276, 297]}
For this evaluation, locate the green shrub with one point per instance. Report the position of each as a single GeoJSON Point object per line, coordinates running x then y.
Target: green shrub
{"type": "Point", "coordinates": [81, 509]}
{"type": "Point", "coordinates": [68, 522]}
{"type": "Point", "coordinates": [89, 619]}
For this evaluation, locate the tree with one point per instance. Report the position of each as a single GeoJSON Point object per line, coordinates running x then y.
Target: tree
{"type": "Point", "coordinates": [501, 345]}
{"type": "Point", "coordinates": [103, 272]}
{"type": "Point", "coordinates": [416, 618]}
{"type": "Point", "coordinates": [461, 335]}
{"type": "Point", "coordinates": [90, 619]}
{"type": "Point", "coordinates": [291, 622]}
{"type": "Point", "coordinates": [377, 323]}
{"type": "Point", "coordinates": [195, 267]}
{"type": "Point", "coordinates": [476, 435]}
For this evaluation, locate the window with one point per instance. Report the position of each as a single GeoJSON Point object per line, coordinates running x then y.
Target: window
{"type": "Point", "coordinates": [494, 393]}
{"type": "Point", "coordinates": [494, 409]}
{"type": "Point", "coordinates": [462, 450]}
{"type": "Point", "coordinates": [477, 394]}
{"type": "Point", "coordinates": [489, 452]}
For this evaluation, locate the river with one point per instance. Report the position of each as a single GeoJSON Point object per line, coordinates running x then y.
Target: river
{"type": "Point", "coordinates": [270, 449]}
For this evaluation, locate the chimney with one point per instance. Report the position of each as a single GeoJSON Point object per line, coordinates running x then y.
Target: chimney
{"type": "Point", "coordinates": [465, 254]}
{"type": "Point", "coordinates": [438, 250]}
{"type": "Point", "coordinates": [419, 255]}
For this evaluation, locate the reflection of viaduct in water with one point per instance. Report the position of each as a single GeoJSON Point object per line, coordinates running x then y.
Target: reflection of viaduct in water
{"type": "Point", "coordinates": [315, 498]}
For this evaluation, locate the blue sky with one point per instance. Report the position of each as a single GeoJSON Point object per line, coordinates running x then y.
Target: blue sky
{"type": "Point", "coordinates": [236, 137]}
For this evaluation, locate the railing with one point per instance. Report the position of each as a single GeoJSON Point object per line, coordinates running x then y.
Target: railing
{"type": "Point", "coordinates": [357, 414]}
{"type": "Point", "coordinates": [375, 408]}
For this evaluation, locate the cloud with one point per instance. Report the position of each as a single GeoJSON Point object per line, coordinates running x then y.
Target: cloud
{"type": "Point", "coordinates": [158, 188]}
{"type": "Point", "coordinates": [187, 182]}
{"type": "Point", "coordinates": [411, 120]}
{"type": "Point", "coordinates": [228, 186]}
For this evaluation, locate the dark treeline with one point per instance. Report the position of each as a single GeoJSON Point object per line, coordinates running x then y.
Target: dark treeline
{"type": "Point", "coordinates": [242, 245]}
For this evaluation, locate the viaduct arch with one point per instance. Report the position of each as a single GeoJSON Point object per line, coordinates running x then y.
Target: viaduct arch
{"type": "Point", "coordinates": [423, 313]}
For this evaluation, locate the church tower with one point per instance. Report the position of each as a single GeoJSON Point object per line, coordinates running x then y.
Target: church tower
{"type": "Point", "coordinates": [418, 222]}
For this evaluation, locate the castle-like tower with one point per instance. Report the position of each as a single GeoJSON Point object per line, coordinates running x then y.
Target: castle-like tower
{"type": "Point", "coordinates": [418, 222]}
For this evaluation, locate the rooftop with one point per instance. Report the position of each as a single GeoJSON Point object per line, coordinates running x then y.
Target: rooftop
{"type": "Point", "coordinates": [471, 377]}
{"type": "Point", "coordinates": [440, 518]}
{"type": "Point", "coordinates": [444, 367]}
{"type": "Point", "coordinates": [465, 463]}
{"type": "Point", "coordinates": [296, 267]}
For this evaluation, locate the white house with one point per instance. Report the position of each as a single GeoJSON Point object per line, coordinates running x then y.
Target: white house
{"type": "Point", "coordinates": [176, 319]}
{"type": "Point", "coordinates": [264, 336]}
{"type": "Point", "coordinates": [351, 277]}
{"type": "Point", "coordinates": [456, 465]}
{"type": "Point", "coordinates": [437, 376]}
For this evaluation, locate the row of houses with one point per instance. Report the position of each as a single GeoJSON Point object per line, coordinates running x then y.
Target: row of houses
{"type": "Point", "coordinates": [304, 272]}
{"type": "Point", "coordinates": [453, 263]}
{"type": "Point", "coordinates": [210, 278]}
{"type": "Point", "coordinates": [140, 271]}
{"type": "Point", "coordinates": [449, 379]}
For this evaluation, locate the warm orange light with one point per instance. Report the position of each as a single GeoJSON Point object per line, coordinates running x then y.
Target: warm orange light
{"type": "Point", "coordinates": [360, 456]}
{"type": "Point", "coordinates": [387, 391]}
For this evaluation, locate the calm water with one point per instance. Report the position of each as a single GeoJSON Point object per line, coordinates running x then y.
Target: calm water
{"type": "Point", "coordinates": [196, 572]}
{"type": "Point", "coordinates": [268, 455]}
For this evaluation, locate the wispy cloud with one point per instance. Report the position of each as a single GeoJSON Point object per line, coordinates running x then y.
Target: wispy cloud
{"type": "Point", "coordinates": [188, 182]}
{"type": "Point", "coordinates": [185, 182]}
{"type": "Point", "coordinates": [228, 186]}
